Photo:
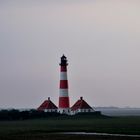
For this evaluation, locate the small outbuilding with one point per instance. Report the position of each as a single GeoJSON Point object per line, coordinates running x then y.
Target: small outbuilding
{"type": "Point", "coordinates": [81, 106]}
{"type": "Point", "coordinates": [47, 106]}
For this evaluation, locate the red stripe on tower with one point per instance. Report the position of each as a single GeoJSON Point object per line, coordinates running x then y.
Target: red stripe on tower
{"type": "Point", "coordinates": [63, 84]}
{"type": "Point", "coordinates": [64, 106]}
{"type": "Point", "coordinates": [63, 68]}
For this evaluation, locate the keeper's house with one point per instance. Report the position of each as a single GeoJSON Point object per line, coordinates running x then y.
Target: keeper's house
{"type": "Point", "coordinates": [47, 106]}
{"type": "Point", "coordinates": [81, 106]}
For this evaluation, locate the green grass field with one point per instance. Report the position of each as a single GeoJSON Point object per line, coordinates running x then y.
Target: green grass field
{"type": "Point", "coordinates": [40, 129]}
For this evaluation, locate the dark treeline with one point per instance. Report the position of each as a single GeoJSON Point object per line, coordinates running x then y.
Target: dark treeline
{"type": "Point", "coordinates": [22, 115]}
{"type": "Point", "coordinates": [15, 114]}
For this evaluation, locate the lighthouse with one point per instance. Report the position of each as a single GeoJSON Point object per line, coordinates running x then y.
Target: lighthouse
{"type": "Point", "coordinates": [64, 105]}
{"type": "Point", "coordinates": [81, 106]}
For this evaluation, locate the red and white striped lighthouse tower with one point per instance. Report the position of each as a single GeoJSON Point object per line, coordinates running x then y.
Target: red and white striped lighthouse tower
{"type": "Point", "coordinates": [64, 106]}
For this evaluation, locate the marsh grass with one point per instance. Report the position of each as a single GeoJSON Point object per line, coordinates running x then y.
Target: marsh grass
{"type": "Point", "coordinates": [39, 129]}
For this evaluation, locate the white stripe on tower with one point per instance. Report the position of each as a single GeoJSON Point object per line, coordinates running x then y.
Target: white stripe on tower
{"type": "Point", "coordinates": [63, 75]}
{"type": "Point", "coordinates": [63, 92]}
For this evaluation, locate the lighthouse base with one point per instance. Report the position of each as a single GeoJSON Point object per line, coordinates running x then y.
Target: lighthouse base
{"type": "Point", "coordinates": [64, 111]}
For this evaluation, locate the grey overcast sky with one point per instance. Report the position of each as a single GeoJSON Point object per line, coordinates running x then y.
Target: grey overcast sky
{"type": "Point", "coordinates": [101, 39]}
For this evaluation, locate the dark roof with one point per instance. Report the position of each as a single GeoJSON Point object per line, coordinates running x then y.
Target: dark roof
{"type": "Point", "coordinates": [63, 56]}
{"type": "Point", "coordinates": [47, 104]}
{"type": "Point", "coordinates": [80, 104]}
